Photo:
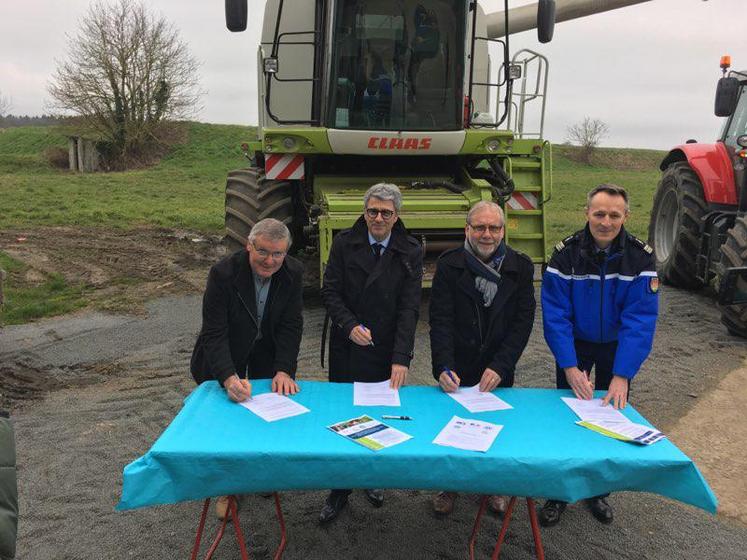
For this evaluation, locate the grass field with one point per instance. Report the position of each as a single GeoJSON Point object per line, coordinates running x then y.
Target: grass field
{"type": "Point", "coordinates": [186, 191]}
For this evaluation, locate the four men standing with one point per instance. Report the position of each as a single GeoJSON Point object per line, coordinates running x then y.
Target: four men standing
{"type": "Point", "coordinates": [599, 300]}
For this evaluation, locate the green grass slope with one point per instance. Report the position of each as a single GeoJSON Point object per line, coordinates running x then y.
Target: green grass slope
{"type": "Point", "coordinates": [185, 190]}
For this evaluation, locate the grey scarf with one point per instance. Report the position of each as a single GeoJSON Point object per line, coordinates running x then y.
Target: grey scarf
{"type": "Point", "coordinates": [487, 275]}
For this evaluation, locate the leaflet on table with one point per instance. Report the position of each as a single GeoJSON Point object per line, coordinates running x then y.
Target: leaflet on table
{"type": "Point", "coordinates": [271, 406]}
{"type": "Point", "coordinates": [369, 432]}
{"type": "Point", "coordinates": [472, 435]}
{"type": "Point", "coordinates": [375, 394]}
{"type": "Point", "coordinates": [625, 431]}
{"type": "Point", "coordinates": [475, 400]}
{"type": "Point", "coordinates": [593, 410]}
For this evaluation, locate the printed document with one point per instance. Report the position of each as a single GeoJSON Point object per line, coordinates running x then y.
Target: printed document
{"type": "Point", "coordinates": [592, 410]}
{"type": "Point", "coordinates": [271, 406]}
{"type": "Point", "coordinates": [625, 431]}
{"type": "Point", "coordinates": [369, 433]}
{"type": "Point", "coordinates": [375, 394]}
{"type": "Point", "coordinates": [474, 400]}
{"type": "Point", "coordinates": [472, 435]}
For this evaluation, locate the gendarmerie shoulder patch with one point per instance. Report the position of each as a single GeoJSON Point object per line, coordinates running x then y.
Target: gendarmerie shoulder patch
{"type": "Point", "coordinates": [653, 285]}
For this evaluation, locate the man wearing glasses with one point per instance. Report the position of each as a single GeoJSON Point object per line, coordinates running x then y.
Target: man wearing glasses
{"type": "Point", "coordinates": [371, 290]}
{"type": "Point", "coordinates": [599, 309]}
{"type": "Point", "coordinates": [481, 314]}
{"type": "Point", "coordinates": [252, 319]}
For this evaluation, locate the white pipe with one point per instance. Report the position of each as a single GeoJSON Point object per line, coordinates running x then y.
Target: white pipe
{"type": "Point", "coordinates": [524, 18]}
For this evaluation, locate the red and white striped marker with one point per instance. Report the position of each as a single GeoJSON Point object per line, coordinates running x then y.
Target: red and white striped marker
{"type": "Point", "coordinates": [523, 201]}
{"type": "Point", "coordinates": [284, 166]}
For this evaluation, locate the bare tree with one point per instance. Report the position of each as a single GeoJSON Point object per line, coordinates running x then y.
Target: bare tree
{"type": "Point", "coordinates": [4, 104]}
{"type": "Point", "coordinates": [587, 134]}
{"type": "Point", "coordinates": [126, 71]}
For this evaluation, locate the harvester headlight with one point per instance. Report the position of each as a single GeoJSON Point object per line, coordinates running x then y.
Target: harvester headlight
{"type": "Point", "coordinates": [514, 71]}
{"type": "Point", "coordinates": [289, 143]}
{"type": "Point", "coordinates": [493, 145]}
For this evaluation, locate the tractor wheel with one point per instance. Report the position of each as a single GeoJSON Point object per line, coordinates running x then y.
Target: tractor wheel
{"type": "Point", "coordinates": [250, 197]}
{"type": "Point", "coordinates": [675, 228]}
{"type": "Point", "coordinates": [734, 253]}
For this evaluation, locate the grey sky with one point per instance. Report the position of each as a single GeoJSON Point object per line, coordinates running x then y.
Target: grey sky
{"type": "Point", "coordinates": [649, 71]}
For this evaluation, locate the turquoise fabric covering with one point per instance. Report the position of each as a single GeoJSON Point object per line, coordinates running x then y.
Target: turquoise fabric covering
{"type": "Point", "coordinates": [215, 447]}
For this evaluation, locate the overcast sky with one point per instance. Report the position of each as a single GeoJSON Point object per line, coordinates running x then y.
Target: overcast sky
{"type": "Point", "coordinates": [649, 71]}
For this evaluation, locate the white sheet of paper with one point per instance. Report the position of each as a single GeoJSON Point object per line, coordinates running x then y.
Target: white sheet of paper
{"type": "Point", "coordinates": [271, 406]}
{"type": "Point", "coordinates": [592, 410]}
{"type": "Point", "coordinates": [472, 435]}
{"type": "Point", "coordinates": [474, 400]}
{"type": "Point", "coordinates": [375, 394]}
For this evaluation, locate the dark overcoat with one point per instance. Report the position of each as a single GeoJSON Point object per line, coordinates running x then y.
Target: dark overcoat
{"type": "Point", "coordinates": [229, 322]}
{"type": "Point", "coordinates": [383, 296]}
{"type": "Point", "coordinates": [466, 337]}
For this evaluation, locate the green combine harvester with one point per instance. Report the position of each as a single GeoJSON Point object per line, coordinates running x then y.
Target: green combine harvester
{"type": "Point", "coordinates": [356, 92]}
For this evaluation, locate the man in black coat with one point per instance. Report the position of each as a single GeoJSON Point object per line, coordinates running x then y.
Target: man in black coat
{"type": "Point", "coordinates": [371, 290]}
{"type": "Point", "coordinates": [252, 318]}
{"type": "Point", "coordinates": [481, 314]}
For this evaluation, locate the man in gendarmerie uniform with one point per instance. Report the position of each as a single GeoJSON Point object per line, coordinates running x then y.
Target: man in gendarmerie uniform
{"type": "Point", "coordinates": [371, 290]}
{"type": "Point", "coordinates": [599, 309]}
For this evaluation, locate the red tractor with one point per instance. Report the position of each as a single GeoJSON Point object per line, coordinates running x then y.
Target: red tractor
{"type": "Point", "coordinates": [698, 225]}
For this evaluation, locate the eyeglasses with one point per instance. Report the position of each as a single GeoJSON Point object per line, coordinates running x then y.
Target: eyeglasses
{"type": "Point", "coordinates": [264, 253]}
{"type": "Point", "coordinates": [373, 212]}
{"type": "Point", "coordinates": [494, 230]}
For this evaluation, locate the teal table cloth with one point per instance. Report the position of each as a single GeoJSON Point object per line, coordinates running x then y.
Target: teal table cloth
{"type": "Point", "coordinates": [215, 447]}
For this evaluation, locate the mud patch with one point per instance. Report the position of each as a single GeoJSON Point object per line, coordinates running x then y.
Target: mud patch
{"type": "Point", "coordinates": [22, 383]}
{"type": "Point", "coordinates": [122, 268]}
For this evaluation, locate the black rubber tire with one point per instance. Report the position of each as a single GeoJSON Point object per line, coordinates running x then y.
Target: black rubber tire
{"type": "Point", "coordinates": [734, 253]}
{"type": "Point", "coordinates": [675, 227]}
{"type": "Point", "coordinates": [250, 197]}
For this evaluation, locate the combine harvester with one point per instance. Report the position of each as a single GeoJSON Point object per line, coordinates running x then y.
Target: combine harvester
{"type": "Point", "coordinates": [354, 92]}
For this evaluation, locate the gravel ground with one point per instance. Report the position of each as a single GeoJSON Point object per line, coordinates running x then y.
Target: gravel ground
{"type": "Point", "coordinates": [91, 393]}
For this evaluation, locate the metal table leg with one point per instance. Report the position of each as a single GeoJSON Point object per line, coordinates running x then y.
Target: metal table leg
{"type": "Point", "coordinates": [539, 551]}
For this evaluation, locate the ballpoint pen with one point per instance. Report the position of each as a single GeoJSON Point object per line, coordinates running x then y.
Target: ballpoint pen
{"type": "Point", "coordinates": [370, 342]}
{"type": "Point", "coordinates": [393, 417]}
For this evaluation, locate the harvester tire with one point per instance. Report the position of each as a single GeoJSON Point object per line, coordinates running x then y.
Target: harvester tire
{"type": "Point", "coordinates": [675, 227]}
{"type": "Point", "coordinates": [250, 197]}
{"type": "Point", "coordinates": [734, 253]}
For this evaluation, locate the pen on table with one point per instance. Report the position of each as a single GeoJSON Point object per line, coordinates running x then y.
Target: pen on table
{"type": "Point", "coordinates": [370, 342]}
{"type": "Point", "coordinates": [451, 376]}
{"type": "Point", "coordinates": [394, 417]}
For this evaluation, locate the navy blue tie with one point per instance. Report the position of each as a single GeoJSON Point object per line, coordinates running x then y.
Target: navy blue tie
{"type": "Point", "coordinates": [377, 249]}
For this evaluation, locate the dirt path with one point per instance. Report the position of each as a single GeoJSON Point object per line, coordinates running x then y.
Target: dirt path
{"type": "Point", "coordinates": [714, 434]}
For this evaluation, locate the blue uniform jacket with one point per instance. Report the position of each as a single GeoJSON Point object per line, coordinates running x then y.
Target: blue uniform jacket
{"type": "Point", "coordinates": [599, 297]}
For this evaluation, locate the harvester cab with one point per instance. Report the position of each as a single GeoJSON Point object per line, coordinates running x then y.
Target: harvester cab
{"type": "Point", "coordinates": [698, 222]}
{"type": "Point", "coordinates": [356, 92]}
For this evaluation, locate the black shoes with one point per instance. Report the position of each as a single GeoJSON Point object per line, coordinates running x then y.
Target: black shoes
{"type": "Point", "coordinates": [600, 509]}
{"type": "Point", "coordinates": [335, 503]}
{"type": "Point", "coordinates": [550, 513]}
{"type": "Point", "coordinates": [376, 497]}
{"type": "Point", "coordinates": [338, 499]}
